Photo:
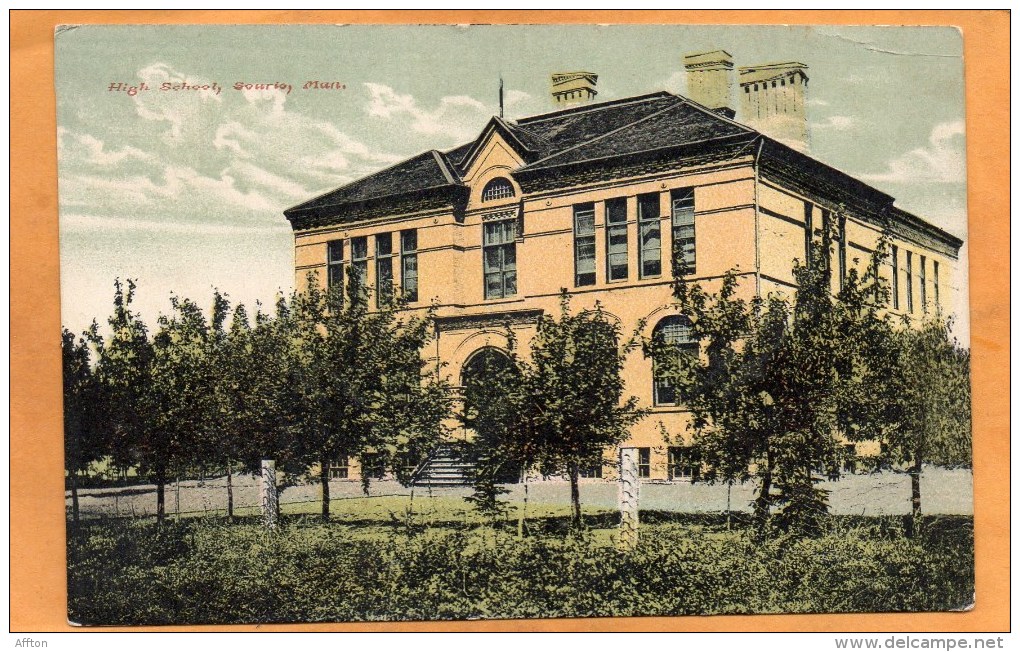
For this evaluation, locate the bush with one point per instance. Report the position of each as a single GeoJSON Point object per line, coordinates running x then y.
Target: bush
{"type": "Point", "coordinates": [213, 572]}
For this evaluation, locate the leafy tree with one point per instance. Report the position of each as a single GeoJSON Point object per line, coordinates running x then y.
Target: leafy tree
{"type": "Point", "coordinates": [782, 384]}
{"type": "Point", "coordinates": [180, 399]}
{"type": "Point", "coordinates": [227, 366]}
{"type": "Point", "coordinates": [362, 382]}
{"type": "Point", "coordinates": [84, 432]}
{"type": "Point", "coordinates": [493, 408]}
{"type": "Point", "coordinates": [932, 388]}
{"type": "Point", "coordinates": [257, 389]}
{"type": "Point", "coordinates": [123, 374]}
{"type": "Point", "coordinates": [573, 394]}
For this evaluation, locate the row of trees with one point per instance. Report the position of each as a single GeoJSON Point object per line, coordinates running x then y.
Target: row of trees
{"type": "Point", "coordinates": [780, 386]}
{"type": "Point", "coordinates": [784, 383]}
{"type": "Point", "coordinates": [319, 379]}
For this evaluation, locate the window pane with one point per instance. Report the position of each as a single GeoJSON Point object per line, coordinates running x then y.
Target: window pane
{"type": "Point", "coordinates": [409, 277]}
{"type": "Point", "coordinates": [650, 236]}
{"type": "Point", "coordinates": [492, 260]}
{"type": "Point", "coordinates": [384, 281]}
{"type": "Point", "coordinates": [361, 270]}
{"type": "Point", "coordinates": [509, 230]}
{"type": "Point", "coordinates": [586, 256]}
{"type": "Point", "coordinates": [384, 244]}
{"type": "Point", "coordinates": [409, 240]}
{"type": "Point", "coordinates": [335, 251]}
{"type": "Point", "coordinates": [493, 286]}
{"type": "Point", "coordinates": [509, 257]}
{"type": "Point", "coordinates": [648, 206]}
{"type": "Point", "coordinates": [359, 247]}
{"type": "Point", "coordinates": [616, 211]}
{"type": "Point", "coordinates": [651, 254]}
{"type": "Point", "coordinates": [510, 284]}
{"type": "Point", "coordinates": [493, 233]}
{"type": "Point", "coordinates": [336, 275]}
{"type": "Point", "coordinates": [584, 221]}
{"type": "Point", "coordinates": [617, 267]}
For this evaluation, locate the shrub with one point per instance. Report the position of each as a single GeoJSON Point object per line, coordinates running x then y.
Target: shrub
{"type": "Point", "coordinates": [215, 572]}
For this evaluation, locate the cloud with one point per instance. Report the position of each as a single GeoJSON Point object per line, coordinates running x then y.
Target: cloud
{"type": "Point", "coordinates": [87, 149]}
{"type": "Point", "coordinates": [943, 160]}
{"type": "Point", "coordinates": [835, 123]}
{"type": "Point", "coordinates": [456, 116]}
{"type": "Point", "coordinates": [237, 156]}
{"type": "Point", "coordinates": [817, 102]}
{"type": "Point", "coordinates": [676, 83]}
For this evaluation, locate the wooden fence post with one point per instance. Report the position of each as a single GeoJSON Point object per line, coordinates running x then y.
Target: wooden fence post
{"type": "Point", "coordinates": [629, 497]}
{"type": "Point", "coordinates": [268, 497]}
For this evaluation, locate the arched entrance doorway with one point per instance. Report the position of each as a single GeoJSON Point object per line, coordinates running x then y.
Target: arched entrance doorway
{"type": "Point", "coordinates": [484, 377]}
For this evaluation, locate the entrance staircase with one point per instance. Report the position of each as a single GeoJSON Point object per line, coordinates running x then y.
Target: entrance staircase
{"type": "Point", "coordinates": [444, 467]}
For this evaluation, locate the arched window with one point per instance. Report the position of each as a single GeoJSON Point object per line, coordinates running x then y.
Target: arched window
{"type": "Point", "coordinates": [498, 188]}
{"type": "Point", "coordinates": [676, 331]}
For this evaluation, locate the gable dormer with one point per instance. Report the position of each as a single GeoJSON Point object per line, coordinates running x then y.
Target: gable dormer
{"type": "Point", "coordinates": [490, 163]}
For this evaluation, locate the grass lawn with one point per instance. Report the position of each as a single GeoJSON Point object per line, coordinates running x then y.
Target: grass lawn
{"type": "Point", "coordinates": [373, 562]}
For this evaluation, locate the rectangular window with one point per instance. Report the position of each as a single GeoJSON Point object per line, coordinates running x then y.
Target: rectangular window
{"type": "Point", "coordinates": [826, 234]}
{"type": "Point", "coordinates": [924, 285]}
{"type": "Point", "coordinates": [592, 470]}
{"type": "Point", "coordinates": [644, 465]}
{"type": "Point", "coordinates": [408, 463]}
{"type": "Point", "coordinates": [809, 230]}
{"type": "Point", "coordinates": [499, 252]}
{"type": "Point", "coordinates": [895, 278]}
{"type": "Point", "coordinates": [683, 230]}
{"type": "Point", "coordinates": [910, 282]}
{"type": "Point", "coordinates": [335, 263]}
{"type": "Point", "coordinates": [359, 259]}
{"type": "Point", "coordinates": [383, 269]}
{"type": "Point", "coordinates": [409, 264]}
{"type": "Point", "coordinates": [684, 463]}
{"type": "Point", "coordinates": [841, 251]}
{"type": "Point", "coordinates": [616, 239]}
{"type": "Point", "coordinates": [373, 465]}
{"type": "Point", "coordinates": [340, 469]}
{"type": "Point", "coordinates": [650, 235]}
{"type": "Point", "coordinates": [935, 286]}
{"type": "Point", "coordinates": [584, 244]}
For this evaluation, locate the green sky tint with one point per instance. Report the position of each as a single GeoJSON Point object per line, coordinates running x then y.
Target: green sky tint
{"type": "Point", "coordinates": [184, 190]}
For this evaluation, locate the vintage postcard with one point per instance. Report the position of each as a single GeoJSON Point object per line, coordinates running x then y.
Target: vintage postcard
{"type": "Point", "coordinates": [459, 322]}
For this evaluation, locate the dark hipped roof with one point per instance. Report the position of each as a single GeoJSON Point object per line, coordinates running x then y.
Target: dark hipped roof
{"type": "Point", "coordinates": [554, 145]}
{"type": "Point", "coordinates": [570, 136]}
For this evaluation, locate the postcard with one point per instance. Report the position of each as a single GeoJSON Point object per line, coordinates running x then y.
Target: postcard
{"type": "Point", "coordinates": [460, 322]}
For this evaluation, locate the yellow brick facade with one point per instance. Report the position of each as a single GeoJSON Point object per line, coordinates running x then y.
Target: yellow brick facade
{"type": "Point", "coordinates": [743, 221]}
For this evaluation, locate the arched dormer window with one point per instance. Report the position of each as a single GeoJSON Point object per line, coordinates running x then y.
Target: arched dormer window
{"type": "Point", "coordinates": [498, 188]}
{"type": "Point", "coordinates": [678, 332]}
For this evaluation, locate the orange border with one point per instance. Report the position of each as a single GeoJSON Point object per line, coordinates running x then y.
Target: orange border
{"type": "Point", "coordinates": [37, 580]}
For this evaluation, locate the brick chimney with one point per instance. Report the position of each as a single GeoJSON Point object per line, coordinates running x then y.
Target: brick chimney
{"type": "Point", "coordinates": [710, 80]}
{"type": "Point", "coordinates": [772, 98]}
{"type": "Point", "coordinates": [573, 87]}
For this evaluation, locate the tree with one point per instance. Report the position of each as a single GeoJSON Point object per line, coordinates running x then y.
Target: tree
{"type": "Point", "coordinates": [180, 399]}
{"type": "Point", "coordinates": [782, 383]}
{"type": "Point", "coordinates": [123, 374]}
{"type": "Point", "coordinates": [361, 380]}
{"type": "Point", "coordinates": [493, 408]}
{"type": "Point", "coordinates": [84, 440]}
{"type": "Point", "coordinates": [573, 405]}
{"type": "Point", "coordinates": [228, 365]}
{"type": "Point", "coordinates": [258, 393]}
{"type": "Point", "coordinates": [932, 386]}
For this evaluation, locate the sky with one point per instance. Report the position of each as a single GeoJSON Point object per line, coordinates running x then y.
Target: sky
{"type": "Point", "coordinates": [184, 190]}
